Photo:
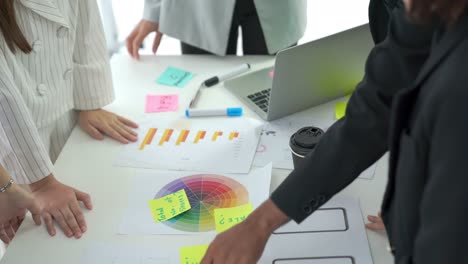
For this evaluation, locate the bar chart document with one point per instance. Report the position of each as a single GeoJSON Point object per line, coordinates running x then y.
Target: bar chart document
{"type": "Point", "coordinates": [225, 146]}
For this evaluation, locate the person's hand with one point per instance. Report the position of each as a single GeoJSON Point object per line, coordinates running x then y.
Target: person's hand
{"type": "Point", "coordinates": [61, 203]}
{"type": "Point", "coordinates": [98, 123]}
{"type": "Point", "coordinates": [245, 242]}
{"type": "Point", "coordinates": [14, 204]}
{"type": "Point", "coordinates": [227, 248]}
{"type": "Point", "coordinates": [376, 222]}
{"type": "Point", "coordinates": [139, 33]}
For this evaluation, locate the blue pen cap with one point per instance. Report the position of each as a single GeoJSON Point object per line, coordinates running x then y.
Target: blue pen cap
{"type": "Point", "coordinates": [234, 111]}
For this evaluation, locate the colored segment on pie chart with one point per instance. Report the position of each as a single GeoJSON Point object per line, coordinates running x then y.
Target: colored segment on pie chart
{"type": "Point", "coordinates": [205, 192]}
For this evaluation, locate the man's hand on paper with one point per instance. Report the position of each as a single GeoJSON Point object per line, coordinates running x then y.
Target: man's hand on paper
{"type": "Point", "coordinates": [62, 204]}
{"type": "Point", "coordinates": [245, 242]}
{"type": "Point", "coordinates": [139, 33]}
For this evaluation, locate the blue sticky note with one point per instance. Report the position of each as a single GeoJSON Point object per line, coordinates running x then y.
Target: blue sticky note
{"type": "Point", "coordinates": [175, 77]}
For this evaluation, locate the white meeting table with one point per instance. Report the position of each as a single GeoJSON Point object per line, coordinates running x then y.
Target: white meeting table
{"type": "Point", "coordinates": [86, 164]}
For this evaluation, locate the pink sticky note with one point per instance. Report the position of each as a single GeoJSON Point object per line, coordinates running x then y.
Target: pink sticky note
{"type": "Point", "coordinates": [161, 103]}
{"type": "Point", "coordinates": [272, 74]}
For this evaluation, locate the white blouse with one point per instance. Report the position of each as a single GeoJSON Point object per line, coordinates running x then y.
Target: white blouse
{"type": "Point", "coordinates": [67, 69]}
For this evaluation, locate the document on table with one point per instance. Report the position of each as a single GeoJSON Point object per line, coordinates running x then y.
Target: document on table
{"type": "Point", "coordinates": [206, 192]}
{"type": "Point", "coordinates": [221, 145]}
{"type": "Point", "coordinates": [334, 234]}
{"type": "Point", "coordinates": [274, 142]}
{"type": "Point", "coordinates": [108, 253]}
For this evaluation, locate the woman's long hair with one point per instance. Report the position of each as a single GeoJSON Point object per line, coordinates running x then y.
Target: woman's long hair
{"type": "Point", "coordinates": [447, 10]}
{"type": "Point", "coordinates": [12, 34]}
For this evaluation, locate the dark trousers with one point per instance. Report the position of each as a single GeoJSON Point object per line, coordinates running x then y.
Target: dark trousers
{"type": "Point", "coordinates": [253, 41]}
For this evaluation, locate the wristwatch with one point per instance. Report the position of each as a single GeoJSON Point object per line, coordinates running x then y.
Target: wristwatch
{"type": "Point", "coordinates": [7, 186]}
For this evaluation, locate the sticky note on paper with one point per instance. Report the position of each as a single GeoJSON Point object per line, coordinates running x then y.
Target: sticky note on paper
{"type": "Point", "coordinates": [340, 110]}
{"type": "Point", "coordinates": [169, 206]}
{"type": "Point", "coordinates": [192, 255]}
{"type": "Point", "coordinates": [175, 77]}
{"type": "Point", "coordinates": [161, 103]}
{"type": "Point", "coordinates": [226, 218]}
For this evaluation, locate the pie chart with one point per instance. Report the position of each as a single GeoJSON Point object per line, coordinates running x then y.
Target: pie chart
{"type": "Point", "coordinates": [205, 193]}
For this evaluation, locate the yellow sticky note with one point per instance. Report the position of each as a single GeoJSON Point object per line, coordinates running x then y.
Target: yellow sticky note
{"type": "Point", "coordinates": [169, 206]}
{"type": "Point", "coordinates": [340, 110]}
{"type": "Point", "coordinates": [192, 255]}
{"type": "Point", "coordinates": [226, 218]}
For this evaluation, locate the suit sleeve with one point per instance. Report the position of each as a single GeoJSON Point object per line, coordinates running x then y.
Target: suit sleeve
{"type": "Point", "coordinates": [152, 10]}
{"type": "Point", "coordinates": [360, 138]}
{"type": "Point", "coordinates": [22, 152]}
{"type": "Point", "coordinates": [91, 70]}
{"type": "Point", "coordinates": [442, 236]}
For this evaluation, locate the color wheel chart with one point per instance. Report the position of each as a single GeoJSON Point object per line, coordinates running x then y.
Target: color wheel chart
{"type": "Point", "coordinates": [205, 192]}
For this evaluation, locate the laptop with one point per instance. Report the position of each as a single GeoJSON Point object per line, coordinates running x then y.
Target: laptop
{"type": "Point", "coordinates": [306, 75]}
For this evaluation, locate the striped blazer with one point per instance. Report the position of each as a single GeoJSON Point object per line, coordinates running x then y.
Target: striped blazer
{"type": "Point", "coordinates": [68, 69]}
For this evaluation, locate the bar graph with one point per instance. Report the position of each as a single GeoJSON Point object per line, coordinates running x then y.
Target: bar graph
{"type": "Point", "coordinates": [183, 137]}
{"type": "Point", "coordinates": [193, 145]}
{"type": "Point", "coordinates": [166, 137]}
{"type": "Point", "coordinates": [233, 135]}
{"type": "Point", "coordinates": [148, 138]}
{"type": "Point", "coordinates": [200, 136]}
{"type": "Point", "coordinates": [216, 135]}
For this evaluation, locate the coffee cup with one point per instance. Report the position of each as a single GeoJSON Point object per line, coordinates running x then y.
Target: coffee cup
{"type": "Point", "coordinates": [303, 142]}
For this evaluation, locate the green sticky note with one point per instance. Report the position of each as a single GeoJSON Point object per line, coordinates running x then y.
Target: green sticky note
{"type": "Point", "coordinates": [192, 255]}
{"type": "Point", "coordinates": [340, 110]}
{"type": "Point", "coordinates": [175, 77]}
{"type": "Point", "coordinates": [169, 206]}
{"type": "Point", "coordinates": [226, 218]}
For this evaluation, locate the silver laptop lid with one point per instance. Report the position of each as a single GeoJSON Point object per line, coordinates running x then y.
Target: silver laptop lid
{"type": "Point", "coordinates": [319, 71]}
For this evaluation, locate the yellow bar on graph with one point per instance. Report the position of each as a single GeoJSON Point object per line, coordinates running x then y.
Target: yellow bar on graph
{"type": "Point", "coordinates": [182, 137]}
{"type": "Point", "coordinates": [215, 136]}
{"type": "Point", "coordinates": [233, 135]}
{"type": "Point", "coordinates": [164, 137]}
{"type": "Point", "coordinates": [148, 138]}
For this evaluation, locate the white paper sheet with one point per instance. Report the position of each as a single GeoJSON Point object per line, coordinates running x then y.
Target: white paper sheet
{"type": "Point", "coordinates": [205, 193]}
{"type": "Point", "coordinates": [335, 234]}
{"type": "Point", "coordinates": [108, 253]}
{"type": "Point", "coordinates": [274, 142]}
{"type": "Point", "coordinates": [199, 149]}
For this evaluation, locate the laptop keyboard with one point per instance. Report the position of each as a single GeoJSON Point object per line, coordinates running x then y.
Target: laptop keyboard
{"type": "Point", "coordinates": [261, 99]}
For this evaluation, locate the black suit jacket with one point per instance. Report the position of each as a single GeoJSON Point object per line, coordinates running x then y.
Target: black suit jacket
{"type": "Point", "coordinates": [411, 102]}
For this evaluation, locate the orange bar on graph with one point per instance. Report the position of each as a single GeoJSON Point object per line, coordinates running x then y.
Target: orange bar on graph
{"type": "Point", "coordinates": [148, 138]}
{"type": "Point", "coordinates": [233, 135]}
{"type": "Point", "coordinates": [151, 133]}
{"type": "Point", "coordinates": [200, 135]}
{"type": "Point", "coordinates": [182, 137]}
{"type": "Point", "coordinates": [163, 138]}
{"type": "Point", "coordinates": [197, 137]}
{"type": "Point", "coordinates": [169, 135]}
{"type": "Point", "coordinates": [216, 135]}
{"type": "Point", "coordinates": [185, 135]}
